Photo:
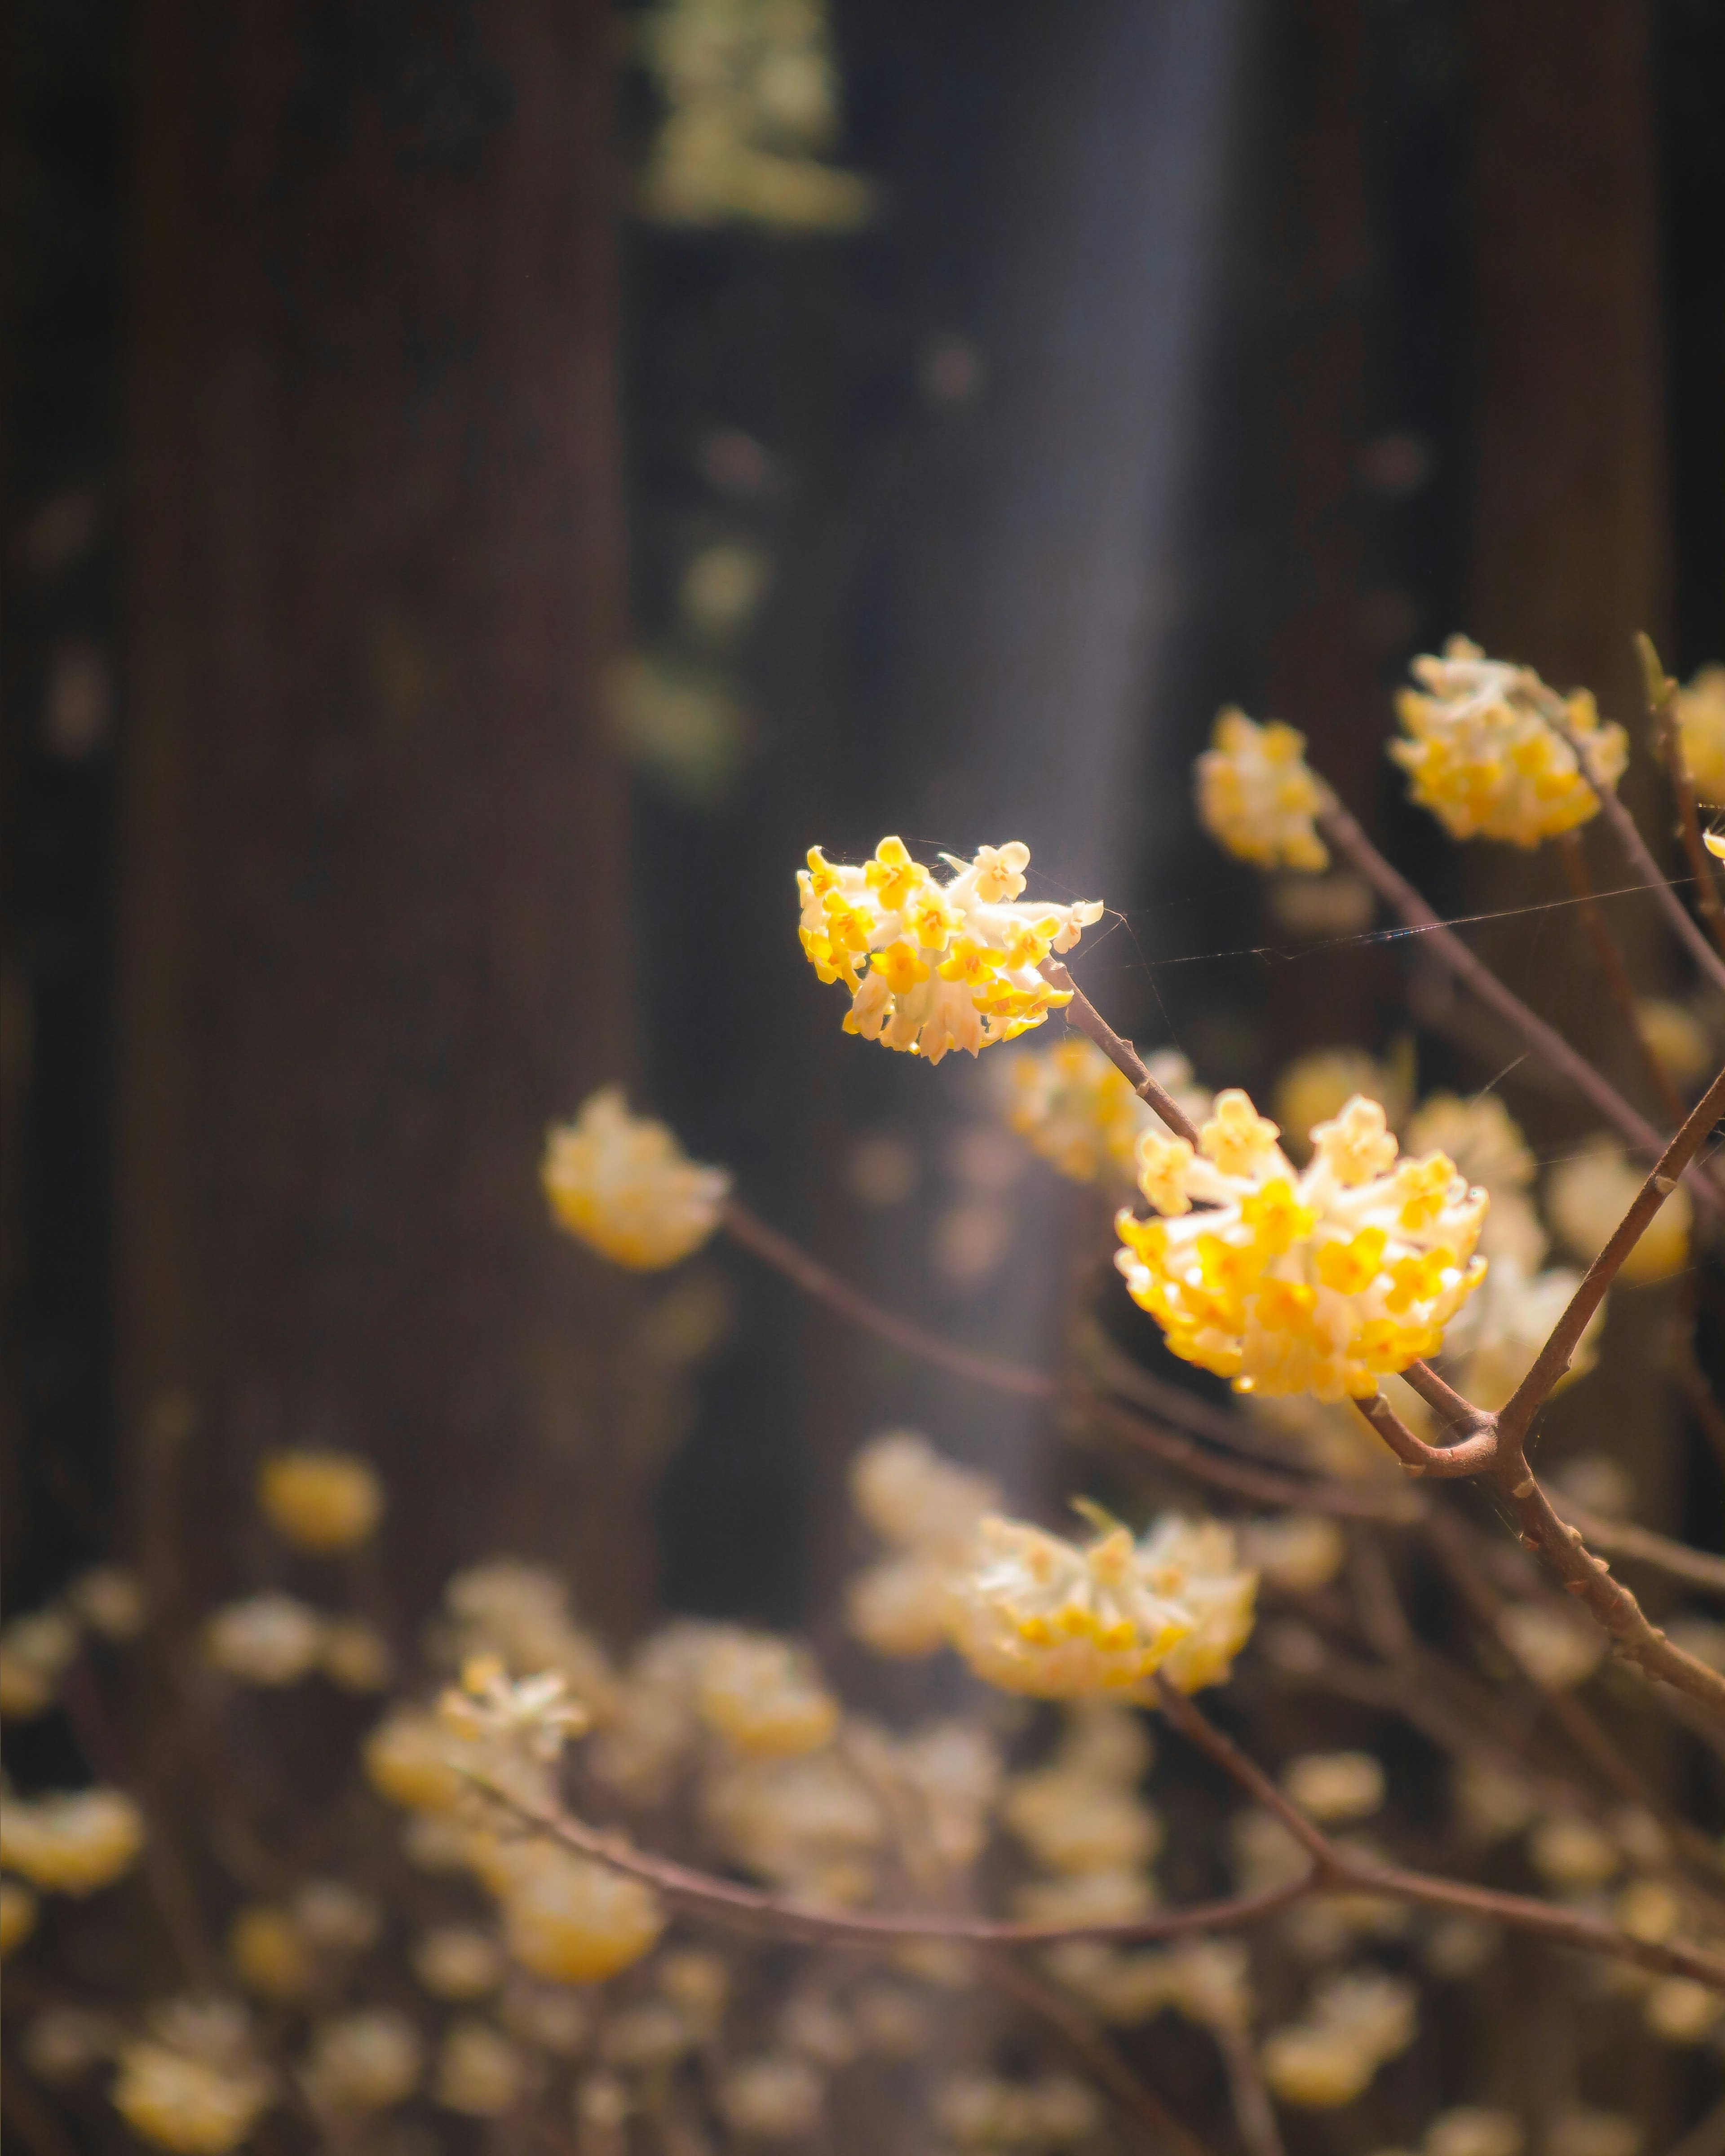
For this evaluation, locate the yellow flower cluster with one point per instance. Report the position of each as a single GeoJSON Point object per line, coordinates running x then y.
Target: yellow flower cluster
{"type": "Point", "coordinates": [1482, 756]}
{"type": "Point", "coordinates": [1353, 2025]}
{"type": "Point", "coordinates": [1589, 1193]}
{"type": "Point", "coordinates": [71, 1844]}
{"type": "Point", "coordinates": [622, 1185]}
{"type": "Point", "coordinates": [1258, 797]}
{"type": "Point", "coordinates": [321, 1502]}
{"type": "Point", "coordinates": [1084, 1821]}
{"type": "Point", "coordinates": [1078, 1110]}
{"type": "Point", "coordinates": [1320, 1282]}
{"type": "Point", "coordinates": [950, 965]}
{"type": "Point", "coordinates": [1038, 1615]}
{"type": "Point", "coordinates": [194, 2084]}
{"type": "Point", "coordinates": [928, 1510]}
{"type": "Point", "coordinates": [1701, 726]}
{"type": "Point", "coordinates": [364, 2061]}
{"type": "Point", "coordinates": [38, 1648]}
{"type": "Point", "coordinates": [273, 1639]}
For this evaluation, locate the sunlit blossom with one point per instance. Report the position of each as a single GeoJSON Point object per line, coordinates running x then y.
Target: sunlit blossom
{"type": "Point", "coordinates": [1317, 1282]}
{"type": "Point", "coordinates": [950, 964]}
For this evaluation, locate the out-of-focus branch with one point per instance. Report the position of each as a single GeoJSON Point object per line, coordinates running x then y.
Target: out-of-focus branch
{"type": "Point", "coordinates": [1135, 2098]}
{"type": "Point", "coordinates": [815, 1279]}
{"type": "Point", "coordinates": [1345, 834]}
{"type": "Point", "coordinates": [1334, 1870]}
{"type": "Point", "coordinates": [1513, 1421]}
{"type": "Point", "coordinates": [1615, 973]}
{"type": "Point", "coordinates": [1627, 832]}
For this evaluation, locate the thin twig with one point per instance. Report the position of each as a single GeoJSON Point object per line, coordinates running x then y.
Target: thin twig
{"type": "Point", "coordinates": [1615, 973]}
{"type": "Point", "coordinates": [815, 1279]}
{"type": "Point", "coordinates": [749, 1909]}
{"type": "Point", "coordinates": [1248, 2091]}
{"type": "Point", "coordinates": [1514, 1419]}
{"type": "Point", "coordinates": [1627, 832]}
{"type": "Point", "coordinates": [1082, 1014]}
{"type": "Point", "coordinates": [1244, 1478]}
{"type": "Point", "coordinates": [1624, 1538]}
{"type": "Point", "coordinates": [1334, 1868]}
{"type": "Point", "coordinates": [1345, 834]}
{"type": "Point", "coordinates": [1134, 2098]}
{"type": "Point", "coordinates": [1264, 1485]}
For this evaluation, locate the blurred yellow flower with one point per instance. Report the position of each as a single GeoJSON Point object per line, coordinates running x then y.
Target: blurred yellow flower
{"type": "Point", "coordinates": [321, 1501]}
{"type": "Point", "coordinates": [624, 1185]}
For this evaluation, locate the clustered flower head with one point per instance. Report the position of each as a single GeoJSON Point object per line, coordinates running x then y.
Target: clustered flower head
{"type": "Point", "coordinates": [1352, 2025]}
{"type": "Point", "coordinates": [194, 2084]}
{"type": "Point", "coordinates": [321, 1501]}
{"type": "Point", "coordinates": [622, 1183]}
{"type": "Point", "coordinates": [1036, 1614]}
{"type": "Point", "coordinates": [928, 1509]}
{"type": "Point", "coordinates": [1483, 755]}
{"type": "Point", "coordinates": [73, 1843]}
{"type": "Point", "coordinates": [1078, 1111]}
{"type": "Point", "coordinates": [1588, 1193]}
{"type": "Point", "coordinates": [1258, 797]}
{"type": "Point", "coordinates": [949, 965]}
{"type": "Point", "coordinates": [1318, 1282]}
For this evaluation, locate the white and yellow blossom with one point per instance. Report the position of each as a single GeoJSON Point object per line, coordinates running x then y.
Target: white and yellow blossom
{"type": "Point", "coordinates": [928, 1507]}
{"type": "Point", "coordinates": [1700, 727]}
{"type": "Point", "coordinates": [1321, 1282]}
{"type": "Point", "coordinates": [363, 2062]}
{"type": "Point", "coordinates": [622, 1183]}
{"type": "Point", "coordinates": [1483, 755]}
{"type": "Point", "coordinates": [1258, 797]}
{"type": "Point", "coordinates": [1488, 1147]}
{"type": "Point", "coordinates": [1078, 1110]}
{"type": "Point", "coordinates": [534, 1711]}
{"type": "Point", "coordinates": [571, 1920]}
{"type": "Point", "coordinates": [1315, 1087]}
{"type": "Point", "coordinates": [950, 965]}
{"type": "Point", "coordinates": [1588, 1194]}
{"type": "Point", "coordinates": [72, 1843]}
{"type": "Point", "coordinates": [268, 1639]}
{"type": "Point", "coordinates": [1353, 2024]}
{"type": "Point", "coordinates": [1497, 1336]}
{"type": "Point", "coordinates": [194, 2084]}
{"type": "Point", "coordinates": [1038, 1615]}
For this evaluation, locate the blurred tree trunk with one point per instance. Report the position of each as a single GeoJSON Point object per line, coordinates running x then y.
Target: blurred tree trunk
{"type": "Point", "coordinates": [1569, 560]}
{"type": "Point", "coordinates": [373, 904]}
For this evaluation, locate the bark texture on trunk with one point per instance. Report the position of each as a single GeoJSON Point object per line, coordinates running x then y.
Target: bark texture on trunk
{"type": "Point", "coordinates": [373, 897]}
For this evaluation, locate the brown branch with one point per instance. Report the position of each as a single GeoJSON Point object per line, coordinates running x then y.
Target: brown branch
{"type": "Point", "coordinates": [1472, 1455]}
{"type": "Point", "coordinates": [1662, 708]}
{"type": "Point", "coordinates": [1335, 1869]}
{"type": "Point", "coordinates": [1345, 834]}
{"type": "Point", "coordinates": [815, 1279]}
{"type": "Point", "coordinates": [1244, 1478]}
{"type": "Point", "coordinates": [749, 1909]}
{"type": "Point", "coordinates": [1082, 1014]}
{"type": "Point", "coordinates": [1248, 2091]}
{"type": "Point", "coordinates": [1134, 2098]}
{"type": "Point", "coordinates": [1553, 1360]}
{"type": "Point", "coordinates": [1624, 1538]}
{"type": "Point", "coordinates": [1627, 832]}
{"type": "Point", "coordinates": [1263, 1485]}
{"type": "Point", "coordinates": [1615, 973]}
